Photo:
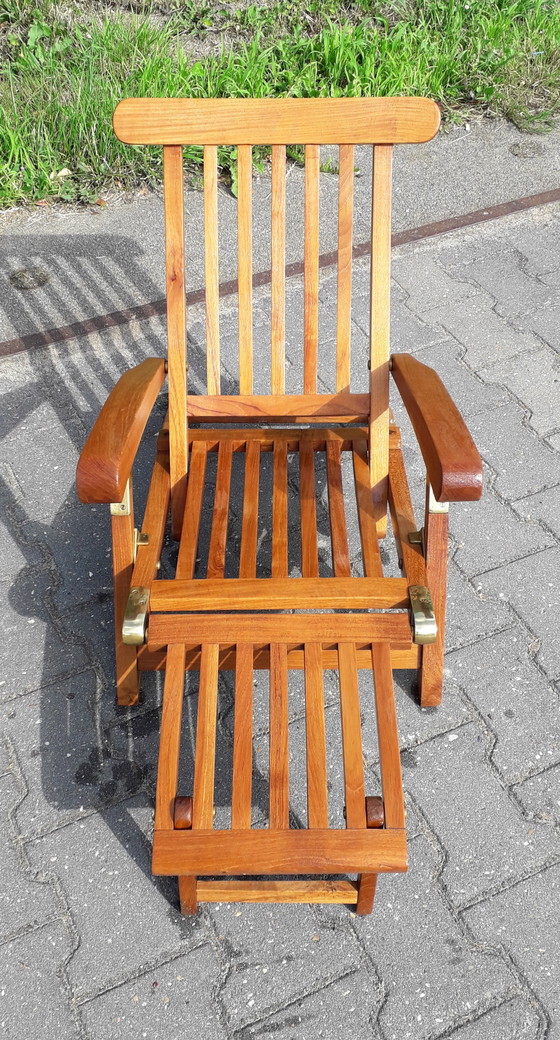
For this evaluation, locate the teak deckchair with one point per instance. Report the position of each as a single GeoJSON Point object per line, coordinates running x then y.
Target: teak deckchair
{"type": "Point", "coordinates": [279, 623]}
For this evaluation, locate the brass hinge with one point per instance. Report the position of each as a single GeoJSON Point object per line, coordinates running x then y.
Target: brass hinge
{"type": "Point", "coordinates": [122, 508]}
{"type": "Point", "coordinates": [136, 616]}
{"type": "Point", "coordinates": [416, 538]}
{"type": "Point", "coordinates": [424, 626]}
{"type": "Point", "coordinates": [140, 539]}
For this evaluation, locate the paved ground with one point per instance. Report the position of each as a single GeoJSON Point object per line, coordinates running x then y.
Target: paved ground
{"type": "Point", "coordinates": [464, 945]}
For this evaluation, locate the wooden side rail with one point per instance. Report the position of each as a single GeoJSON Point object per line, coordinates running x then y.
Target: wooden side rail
{"type": "Point", "coordinates": [452, 461]}
{"type": "Point", "coordinates": [106, 461]}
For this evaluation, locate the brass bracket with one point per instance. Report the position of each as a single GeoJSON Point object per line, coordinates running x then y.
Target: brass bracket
{"type": "Point", "coordinates": [416, 538]}
{"type": "Point", "coordinates": [424, 626]}
{"type": "Point", "coordinates": [140, 539]}
{"type": "Point", "coordinates": [122, 508]}
{"type": "Point", "coordinates": [433, 505]}
{"type": "Point", "coordinates": [135, 620]}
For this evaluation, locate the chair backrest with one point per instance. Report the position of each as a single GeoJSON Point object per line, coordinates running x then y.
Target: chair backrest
{"type": "Point", "coordinates": [381, 122]}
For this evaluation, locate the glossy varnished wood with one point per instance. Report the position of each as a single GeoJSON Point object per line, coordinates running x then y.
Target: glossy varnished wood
{"type": "Point", "coordinates": [279, 594]}
{"type": "Point", "coordinates": [379, 332]}
{"type": "Point", "coordinates": [282, 851]}
{"type": "Point", "coordinates": [170, 737]}
{"type": "Point", "coordinates": [176, 328]}
{"type": "Point", "coordinates": [105, 463]}
{"type": "Point", "coordinates": [295, 629]}
{"type": "Point", "coordinates": [452, 461]}
{"type": "Point", "coordinates": [238, 121]}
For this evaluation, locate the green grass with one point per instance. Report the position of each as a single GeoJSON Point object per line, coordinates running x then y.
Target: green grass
{"type": "Point", "coordinates": [63, 69]}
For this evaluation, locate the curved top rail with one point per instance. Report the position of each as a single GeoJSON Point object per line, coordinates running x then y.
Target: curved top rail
{"type": "Point", "coordinates": [234, 121]}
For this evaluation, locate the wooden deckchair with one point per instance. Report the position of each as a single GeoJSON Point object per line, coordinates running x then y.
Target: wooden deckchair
{"type": "Point", "coordinates": [277, 622]}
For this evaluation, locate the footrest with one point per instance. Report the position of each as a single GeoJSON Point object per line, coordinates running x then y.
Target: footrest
{"type": "Point", "coordinates": [311, 840]}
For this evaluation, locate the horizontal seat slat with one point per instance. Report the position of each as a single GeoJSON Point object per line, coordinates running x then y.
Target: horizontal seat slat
{"type": "Point", "coordinates": [277, 407]}
{"type": "Point", "coordinates": [279, 593]}
{"type": "Point", "coordinates": [152, 658]}
{"type": "Point", "coordinates": [321, 851]}
{"type": "Point", "coordinates": [194, 629]}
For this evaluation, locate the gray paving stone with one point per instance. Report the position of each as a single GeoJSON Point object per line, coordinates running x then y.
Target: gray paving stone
{"type": "Point", "coordinates": [24, 902]}
{"type": "Point", "coordinates": [539, 241]}
{"type": "Point", "coordinates": [428, 285]}
{"type": "Point", "coordinates": [33, 998]}
{"type": "Point", "coordinates": [540, 795]}
{"type": "Point", "coordinates": [344, 1009]}
{"type": "Point", "coordinates": [554, 441]}
{"type": "Point", "coordinates": [521, 708]}
{"type": "Point", "coordinates": [487, 336]}
{"type": "Point", "coordinates": [417, 724]}
{"type": "Point", "coordinates": [126, 919]}
{"type": "Point", "coordinates": [72, 765]}
{"type": "Point", "coordinates": [433, 975]}
{"type": "Point", "coordinates": [471, 613]}
{"type": "Point", "coordinates": [515, 1020]}
{"type": "Point", "coordinates": [489, 533]}
{"type": "Point", "coordinates": [525, 922]}
{"type": "Point", "coordinates": [535, 380]}
{"type": "Point", "coordinates": [544, 506]}
{"type": "Point", "coordinates": [278, 955]}
{"type": "Point", "coordinates": [32, 652]}
{"type": "Point", "coordinates": [46, 477]}
{"type": "Point", "coordinates": [173, 1002]}
{"type": "Point", "coordinates": [14, 553]}
{"type": "Point", "coordinates": [474, 864]}
{"type": "Point", "coordinates": [79, 542]}
{"type": "Point", "coordinates": [522, 463]}
{"type": "Point", "coordinates": [467, 390]}
{"type": "Point", "coordinates": [544, 321]}
{"type": "Point", "coordinates": [530, 586]}
{"type": "Point", "coordinates": [502, 276]}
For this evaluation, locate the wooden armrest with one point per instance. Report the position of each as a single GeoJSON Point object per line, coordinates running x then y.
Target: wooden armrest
{"type": "Point", "coordinates": [106, 460]}
{"type": "Point", "coordinates": [452, 462]}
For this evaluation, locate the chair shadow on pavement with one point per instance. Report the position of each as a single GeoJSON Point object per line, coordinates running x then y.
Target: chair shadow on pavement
{"type": "Point", "coordinates": [89, 756]}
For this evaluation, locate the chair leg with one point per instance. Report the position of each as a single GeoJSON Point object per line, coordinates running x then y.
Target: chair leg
{"type": "Point", "coordinates": [366, 893]}
{"type": "Point", "coordinates": [128, 676]}
{"type": "Point", "coordinates": [435, 547]}
{"type": "Point", "coordinates": [187, 894]}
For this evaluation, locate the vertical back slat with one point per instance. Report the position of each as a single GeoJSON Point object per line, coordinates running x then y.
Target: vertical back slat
{"type": "Point", "coordinates": [373, 567]}
{"type": "Point", "coordinates": [249, 529]}
{"type": "Point", "coordinates": [308, 510]}
{"type": "Point", "coordinates": [211, 274]}
{"type": "Point", "coordinates": [205, 750]}
{"type": "Point", "coordinates": [337, 515]}
{"type": "Point", "coordinates": [311, 269]}
{"type": "Point", "coordinates": [317, 798]}
{"type": "Point", "coordinates": [344, 286]}
{"type": "Point", "coordinates": [278, 256]}
{"type": "Point", "coordinates": [278, 768]}
{"type": "Point", "coordinates": [245, 266]}
{"type": "Point", "coordinates": [280, 511]}
{"type": "Point", "coordinates": [217, 548]}
{"type": "Point", "coordinates": [176, 328]}
{"type": "Point", "coordinates": [379, 331]}
{"type": "Point", "coordinates": [242, 738]}
{"type": "Point", "coordinates": [186, 558]}
{"type": "Point", "coordinates": [351, 737]}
